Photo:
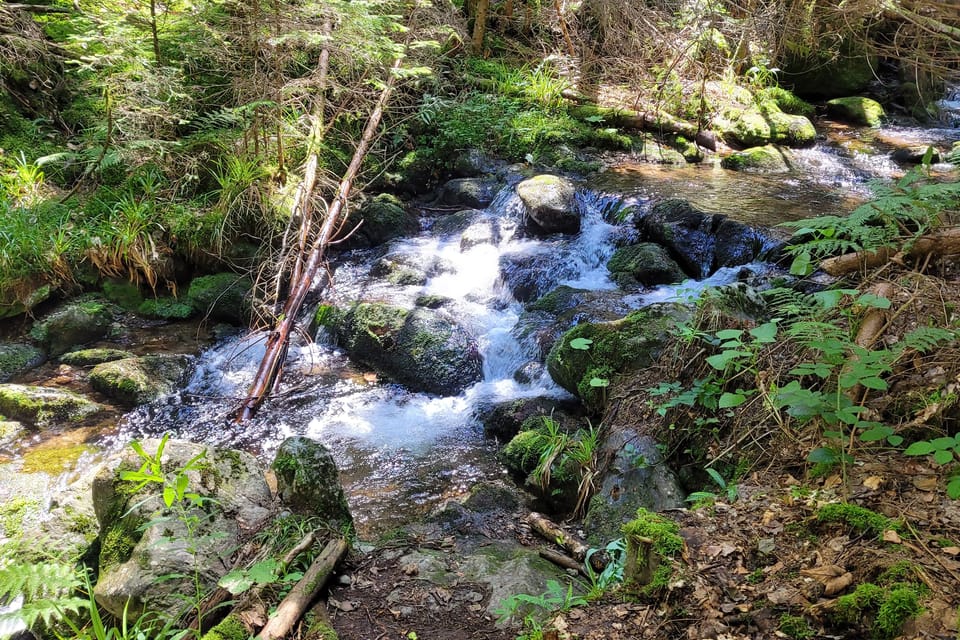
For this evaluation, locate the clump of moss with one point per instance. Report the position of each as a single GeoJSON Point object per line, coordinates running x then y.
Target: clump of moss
{"type": "Point", "coordinates": [795, 627]}
{"type": "Point", "coordinates": [165, 309]}
{"type": "Point", "coordinates": [860, 519]}
{"type": "Point", "coordinates": [230, 628]}
{"type": "Point", "coordinates": [652, 542]}
{"type": "Point", "coordinates": [883, 610]}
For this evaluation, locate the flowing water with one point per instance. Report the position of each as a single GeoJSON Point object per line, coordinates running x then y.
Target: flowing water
{"type": "Point", "coordinates": [401, 453]}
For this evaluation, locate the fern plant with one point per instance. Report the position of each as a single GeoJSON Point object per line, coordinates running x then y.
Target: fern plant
{"type": "Point", "coordinates": [41, 591]}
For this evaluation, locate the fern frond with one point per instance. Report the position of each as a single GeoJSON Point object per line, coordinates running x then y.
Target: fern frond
{"type": "Point", "coordinates": [925, 339]}
{"type": "Point", "coordinates": [44, 588]}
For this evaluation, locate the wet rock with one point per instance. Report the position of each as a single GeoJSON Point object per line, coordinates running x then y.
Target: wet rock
{"type": "Point", "coordinates": [485, 231]}
{"type": "Point", "coordinates": [13, 304]}
{"type": "Point", "coordinates": [636, 477]}
{"type": "Point", "coordinates": [71, 524]}
{"type": "Point", "coordinates": [504, 420]}
{"type": "Point", "coordinates": [44, 406]}
{"type": "Point", "coordinates": [90, 357]}
{"type": "Point", "coordinates": [456, 222]}
{"type": "Point", "coordinates": [475, 193]}
{"type": "Point", "coordinates": [142, 546]}
{"type": "Point", "coordinates": [123, 293]}
{"type": "Point", "coordinates": [647, 264]}
{"type": "Point", "coordinates": [308, 481]}
{"type": "Point", "coordinates": [222, 296]}
{"type": "Point", "coordinates": [384, 218]}
{"type": "Point", "coordinates": [10, 432]}
{"type": "Point", "coordinates": [766, 159]}
{"type": "Point", "coordinates": [424, 349]}
{"type": "Point", "coordinates": [857, 110]}
{"type": "Point", "coordinates": [473, 163]}
{"type": "Point", "coordinates": [401, 269]}
{"type": "Point", "coordinates": [916, 154]}
{"type": "Point", "coordinates": [15, 358]}
{"type": "Point", "coordinates": [550, 204]}
{"type": "Point", "coordinates": [737, 300]}
{"type": "Point", "coordinates": [657, 153]}
{"type": "Point", "coordinates": [545, 320]}
{"type": "Point", "coordinates": [613, 348]}
{"type": "Point", "coordinates": [529, 372]}
{"type": "Point", "coordinates": [139, 380]}
{"type": "Point", "coordinates": [737, 244]}
{"type": "Point", "coordinates": [74, 324]}
{"type": "Point", "coordinates": [527, 276]}
{"type": "Point", "coordinates": [166, 308]}
{"type": "Point", "coordinates": [748, 124]}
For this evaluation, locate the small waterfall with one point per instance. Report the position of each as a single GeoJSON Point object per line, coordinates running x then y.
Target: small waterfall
{"type": "Point", "coordinates": [949, 107]}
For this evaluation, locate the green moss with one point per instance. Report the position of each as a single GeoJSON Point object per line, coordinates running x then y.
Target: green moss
{"type": "Point", "coordinates": [884, 610]}
{"type": "Point", "coordinates": [522, 453]}
{"type": "Point", "coordinates": [768, 159]}
{"type": "Point", "coordinates": [901, 604]}
{"type": "Point", "coordinates": [665, 544]}
{"type": "Point", "coordinates": [118, 541]}
{"type": "Point", "coordinates": [230, 628]}
{"type": "Point", "coordinates": [88, 357]}
{"type": "Point", "coordinates": [166, 309]}
{"type": "Point", "coordinates": [14, 512]}
{"type": "Point", "coordinates": [902, 571]}
{"type": "Point", "coordinates": [857, 110]}
{"type": "Point", "coordinates": [787, 101]}
{"type": "Point", "coordinates": [126, 294]}
{"type": "Point", "coordinates": [53, 460]}
{"type": "Point", "coordinates": [859, 518]}
{"type": "Point", "coordinates": [795, 627]}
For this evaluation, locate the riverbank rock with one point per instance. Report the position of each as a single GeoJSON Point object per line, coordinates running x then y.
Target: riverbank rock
{"type": "Point", "coordinates": [21, 297]}
{"type": "Point", "coordinates": [308, 481]}
{"type": "Point", "coordinates": [473, 193]}
{"type": "Point", "coordinates": [483, 231]}
{"type": "Point", "coordinates": [384, 218]}
{"type": "Point", "coordinates": [16, 357]}
{"type": "Point", "coordinates": [637, 476]}
{"type": "Point", "coordinates": [505, 420]}
{"type": "Point", "coordinates": [550, 204]}
{"type": "Point", "coordinates": [766, 159]}
{"type": "Point", "coordinates": [222, 296]}
{"type": "Point", "coordinates": [143, 543]}
{"type": "Point", "coordinates": [857, 110]}
{"type": "Point", "coordinates": [424, 349]}
{"type": "Point", "coordinates": [139, 380]}
{"type": "Point", "coordinates": [91, 357]}
{"type": "Point", "coordinates": [746, 119]}
{"type": "Point", "coordinates": [528, 276]}
{"type": "Point", "coordinates": [916, 154]}
{"type": "Point", "coordinates": [44, 406]}
{"type": "Point", "coordinates": [592, 353]}
{"type": "Point", "coordinates": [646, 264]}
{"type": "Point", "coordinates": [75, 323]}
{"type": "Point", "coordinates": [825, 74]}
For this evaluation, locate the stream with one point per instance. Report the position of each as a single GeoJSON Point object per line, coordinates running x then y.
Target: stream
{"type": "Point", "coordinates": [401, 453]}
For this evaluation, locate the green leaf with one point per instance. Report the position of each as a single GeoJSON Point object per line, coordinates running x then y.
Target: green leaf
{"type": "Point", "coordinates": [874, 301]}
{"type": "Point", "coordinates": [596, 119]}
{"type": "Point", "coordinates": [953, 488]}
{"type": "Point", "coordinates": [722, 359]}
{"type": "Point", "coordinates": [943, 443]}
{"type": "Point", "coordinates": [729, 334]}
{"type": "Point", "coordinates": [765, 333]}
{"type": "Point", "coordinates": [599, 382]}
{"type": "Point", "coordinates": [581, 344]}
{"type": "Point", "coordinates": [823, 455]}
{"type": "Point", "coordinates": [264, 572]}
{"type": "Point", "coordinates": [943, 457]}
{"type": "Point", "coordinates": [713, 473]}
{"type": "Point", "coordinates": [801, 265]}
{"type": "Point", "coordinates": [878, 432]}
{"type": "Point", "coordinates": [169, 495]}
{"type": "Point", "coordinates": [895, 441]}
{"type": "Point", "coordinates": [922, 448]}
{"type": "Point", "coordinates": [873, 382]}
{"type": "Point", "coordinates": [728, 400]}
{"type": "Point", "coordinates": [819, 369]}
{"type": "Point", "coordinates": [236, 582]}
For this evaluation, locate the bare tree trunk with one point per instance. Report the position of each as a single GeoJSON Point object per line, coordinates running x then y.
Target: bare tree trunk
{"type": "Point", "coordinates": [153, 32]}
{"type": "Point", "coordinates": [276, 348]}
{"type": "Point", "coordinates": [480, 26]}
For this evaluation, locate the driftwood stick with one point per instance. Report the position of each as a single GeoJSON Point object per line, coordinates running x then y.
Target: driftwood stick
{"type": "Point", "coordinates": [572, 544]}
{"type": "Point", "coordinates": [562, 561]}
{"type": "Point", "coordinates": [945, 242]}
{"type": "Point", "coordinates": [875, 319]}
{"type": "Point", "coordinates": [305, 591]}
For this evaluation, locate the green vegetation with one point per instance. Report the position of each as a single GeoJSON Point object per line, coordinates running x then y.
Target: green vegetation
{"type": "Point", "coordinates": [795, 627]}
{"type": "Point", "coordinates": [653, 542]}
{"type": "Point", "coordinates": [882, 609]}
{"type": "Point", "coordinates": [860, 519]}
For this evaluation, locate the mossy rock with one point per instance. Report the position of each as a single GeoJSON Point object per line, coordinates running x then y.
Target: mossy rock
{"type": "Point", "coordinates": [74, 324]}
{"type": "Point", "coordinates": [15, 358]}
{"type": "Point", "coordinates": [308, 481]}
{"type": "Point", "coordinates": [384, 218]}
{"type": "Point", "coordinates": [424, 349]}
{"type": "Point", "coordinates": [44, 406]}
{"type": "Point", "coordinates": [123, 293]}
{"type": "Point", "coordinates": [139, 380]}
{"type": "Point", "coordinates": [857, 110]}
{"type": "Point", "coordinates": [608, 349]}
{"type": "Point", "coordinates": [91, 357]}
{"type": "Point", "coordinates": [222, 296]}
{"type": "Point", "coordinates": [550, 204]}
{"type": "Point", "coordinates": [546, 319]}
{"type": "Point", "coordinates": [766, 159]}
{"type": "Point", "coordinates": [647, 264]}
{"type": "Point", "coordinates": [475, 193]}
{"type": "Point", "coordinates": [653, 541]}
{"type": "Point", "coordinates": [12, 305]}
{"type": "Point", "coordinates": [230, 628]}
{"type": "Point", "coordinates": [10, 432]}
{"type": "Point", "coordinates": [787, 101]}
{"type": "Point", "coordinates": [166, 308]}
{"type": "Point", "coordinates": [825, 74]}
{"type": "Point", "coordinates": [758, 125]}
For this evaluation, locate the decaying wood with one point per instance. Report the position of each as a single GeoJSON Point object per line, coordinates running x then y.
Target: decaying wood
{"type": "Point", "coordinates": [875, 319]}
{"type": "Point", "coordinates": [334, 218]}
{"type": "Point", "coordinates": [36, 8]}
{"type": "Point", "coordinates": [653, 121]}
{"type": "Point", "coordinates": [572, 544]}
{"type": "Point", "coordinates": [305, 591]}
{"type": "Point", "coordinates": [562, 561]}
{"type": "Point", "coordinates": [942, 243]}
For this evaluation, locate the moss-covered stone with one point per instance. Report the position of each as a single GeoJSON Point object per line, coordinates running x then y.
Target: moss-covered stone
{"type": "Point", "coordinates": [15, 358]}
{"type": "Point", "coordinates": [826, 73]}
{"type": "Point", "coordinates": [123, 293]}
{"type": "Point", "coordinates": [787, 101]}
{"type": "Point", "coordinates": [54, 458]}
{"type": "Point", "coordinates": [10, 432]}
{"type": "Point", "coordinates": [140, 379]}
{"type": "Point", "coordinates": [384, 218]}
{"type": "Point", "coordinates": [90, 357]}
{"type": "Point", "coordinates": [166, 309]}
{"type": "Point", "coordinates": [13, 303]}
{"type": "Point", "coordinates": [230, 628]}
{"type": "Point", "coordinates": [857, 110]}
{"type": "Point", "coordinates": [860, 519]}
{"type": "Point", "coordinates": [611, 348]}
{"type": "Point", "coordinates": [222, 296]}
{"type": "Point", "coordinates": [74, 324]}
{"type": "Point", "coordinates": [758, 125]}
{"type": "Point", "coordinates": [475, 193]}
{"type": "Point", "coordinates": [647, 264]}
{"type": "Point", "coordinates": [44, 406]}
{"type": "Point", "coordinates": [14, 512]}
{"type": "Point", "coordinates": [550, 204]}
{"type": "Point", "coordinates": [308, 481]}
{"type": "Point", "coordinates": [766, 159]}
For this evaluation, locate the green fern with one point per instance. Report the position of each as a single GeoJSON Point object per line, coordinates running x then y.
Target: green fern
{"type": "Point", "coordinates": [46, 588]}
{"type": "Point", "coordinates": [924, 339]}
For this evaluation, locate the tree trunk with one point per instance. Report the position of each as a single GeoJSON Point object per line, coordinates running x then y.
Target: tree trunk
{"type": "Point", "coordinates": [480, 26]}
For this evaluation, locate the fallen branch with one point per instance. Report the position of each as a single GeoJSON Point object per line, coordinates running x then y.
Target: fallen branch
{"type": "Point", "coordinates": [562, 561]}
{"type": "Point", "coordinates": [572, 544]}
{"type": "Point", "coordinates": [36, 8]}
{"type": "Point", "coordinates": [942, 243]}
{"type": "Point", "coordinates": [652, 121]}
{"type": "Point", "coordinates": [305, 591]}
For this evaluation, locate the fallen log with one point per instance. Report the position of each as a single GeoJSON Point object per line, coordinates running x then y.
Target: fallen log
{"type": "Point", "coordinates": [945, 242]}
{"type": "Point", "coordinates": [562, 561]}
{"type": "Point", "coordinates": [572, 544]}
{"type": "Point", "coordinates": [305, 591]}
{"type": "Point", "coordinates": [652, 121]}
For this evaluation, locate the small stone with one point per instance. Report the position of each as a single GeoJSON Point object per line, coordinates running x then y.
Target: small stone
{"type": "Point", "coordinates": [766, 545]}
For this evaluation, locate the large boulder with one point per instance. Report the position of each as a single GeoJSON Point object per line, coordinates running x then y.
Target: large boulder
{"type": "Point", "coordinates": [527, 276]}
{"type": "Point", "coordinates": [857, 110]}
{"type": "Point", "coordinates": [637, 476]}
{"type": "Point", "coordinates": [550, 204]}
{"type": "Point", "coordinates": [592, 352]}
{"type": "Point", "coordinates": [142, 379]}
{"type": "Point", "coordinates": [825, 73]}
{"type": "Point", "coordinates": [308, 481]}
{"type": "Point", "coordinates": [647, 264]}
{"type": "Point", "coordinates": [483, 231]}
{"type": "Point", "coordinates": [504, 420]}
{"type": "Point", "coordinates": [44, 406]}
{"type": "Point", "coordinates": [424, 349]}
{"type": "Point", "coordinates": [21, 297]}
{"type": "Point", "coordinates": [221, 296]}
{"type": "Point", "coordinates": [152, 554]}
{"type": "Point", "coordinates": [384, 217]}
{"type": "Point", "coordinates": [474, 193]}
{"type": "Point", "coordinates": [73, 324]}
{"type": "Point", "coordinates": [766, 159]}
{"type": "Point", "coordinates": [15, 358]}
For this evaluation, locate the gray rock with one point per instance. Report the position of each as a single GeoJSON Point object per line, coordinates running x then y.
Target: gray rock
{"type": "Point", "coordinates": [543, 322]}
{"type": "Point", "coordinates": [636, 477]}
{"type": "Point", "coordinates": [44, 406]}
{"type": "Point", "coordinates": [550, 204]}
{"type": "Point", "coordinates": [10, 432]}
{"type": "Point", "coordinates": [384, 218]}
{"type": "Point", "coordinates": [475, 193]}
{"type": "Point", "coordinates": [915, 154]}
{"type": "Point", "coordinates": [647, 264]}
{"type": "Point", "coordinates": [222, 296]}
{"type": "Point", "coordinates": [15, 358]}
{"type": "Point", "coordinates": [504, 420]}
{"type": "Point", "coordinates": [13, 304]}
{"type": "Point", "coordinates": [73, 324]}
{"type": "Point", "coordinates": [143, 543]}
{"type": "Point", "coordinates": [308, 481]}
{"type": "Point", "coordinates": [456, 222]}
{"type": "Point", "coordinates": [484, 231]}
{"type": "Point", "coordinates": [141, 379]}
